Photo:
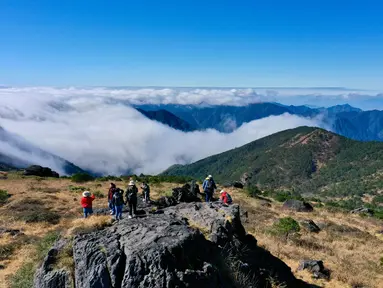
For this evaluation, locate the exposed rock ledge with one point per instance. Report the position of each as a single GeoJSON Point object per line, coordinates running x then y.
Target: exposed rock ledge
{"type": "Point", "coordinates": [187, 245]}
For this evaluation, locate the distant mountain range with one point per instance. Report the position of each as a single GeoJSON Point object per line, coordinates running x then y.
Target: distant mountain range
{"type": "Point", "coordinates": [343, 119]}
{"type": "Point", "coordinates": [307, 160]}
{"type": "Point", "coordinates": [18, 153]}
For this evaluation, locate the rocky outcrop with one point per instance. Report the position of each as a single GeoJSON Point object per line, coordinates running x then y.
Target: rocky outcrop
{"type": "Point", "coordinates": [310, 226]}
{"type": "Point", "coordinates": [187, 193]}
{"type": "Point", "coordinates": [48, 277]}
{"type": "Point", "coordinates": [297, 205]}
{"type": "Point", "coordinates": [362, 210]}
{"type": "Point", "coordinates": [316, 268]}
{"type": "Point", "coordinates": [186, 245]}
{"type": "Point", "coordinates": [36, 170]}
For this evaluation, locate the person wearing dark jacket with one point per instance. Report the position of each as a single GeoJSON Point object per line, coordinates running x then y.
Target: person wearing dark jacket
{"type": "Point", "coordinates": [209, 187]}
{"type": "Point", "coordinates": [118, 203]}
{"type": "Point", "coordinates": [131, 197]}
{"type": "Point", "coordinates": [145, 192]}
{"type": "Point", "coordinates": [111, 191]}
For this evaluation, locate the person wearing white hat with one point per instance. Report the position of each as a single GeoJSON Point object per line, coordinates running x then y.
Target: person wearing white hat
{"type": "Point", "coordinates": [131, 198]}
{"type": "Point", "coordinates": [208, 187]}
{"type": "Point", "coordinates": [225, 197]}
{"type": "Point", "coordinates": [86, 203]}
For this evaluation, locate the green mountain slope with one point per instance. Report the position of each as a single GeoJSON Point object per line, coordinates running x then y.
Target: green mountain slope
{"type": "Point", "coordinates": [308, 160]}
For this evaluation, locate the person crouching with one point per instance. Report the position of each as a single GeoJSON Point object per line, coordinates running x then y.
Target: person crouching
{"type": "Point", "coordinates": [225, 197]}
{"type": "Point", "coordinates": [86, 203]}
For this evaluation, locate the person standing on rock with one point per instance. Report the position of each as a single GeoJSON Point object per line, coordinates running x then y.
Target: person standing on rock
{"type": "Point", "coordinates": [145, 192]}
{"type": "Point", "coordinates": [131, 197]}
{"type": "Point", "coordinates": [118, 203]}
{"type": "Point", "coordinates": [86, 203]}
{"type": "Point", "coordinates": [208, 187]}
{"type": "Point", "coordinates": [112, 190]}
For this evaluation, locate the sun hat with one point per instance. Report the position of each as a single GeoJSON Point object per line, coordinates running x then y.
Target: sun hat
{"type": "Point", "coordinates": [131, 183]}
{"type": "Point", "coordinates": [222, 191]}
{"type": "Point", "coordinates": [86, 194]}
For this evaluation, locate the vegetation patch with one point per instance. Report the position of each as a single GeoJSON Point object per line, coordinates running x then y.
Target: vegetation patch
{"type": "Point", "coordinates": [82, 178]}
{"type": "Point", "coordinates": [285, 227]}
{"type": "Point", "coordinates": [41, 216]}
{"type": "Point", "coordinates": [77, 188]}
{"type": "Point", "coordinates": [6, 250]}
{"type": "Point", "coordinates": [3, 196]}
{"type": "Point", "coordinates": [98, 194]}
{"type": "Point", "coordinates": [23, 278]}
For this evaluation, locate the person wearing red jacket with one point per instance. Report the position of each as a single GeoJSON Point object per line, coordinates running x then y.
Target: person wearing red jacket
{"type": "Point", "coordinates": [86, 203]}
{"type": "Point", "coordinates": [225, 197]}
{"type": "Point", "coordinates": [111, 192]}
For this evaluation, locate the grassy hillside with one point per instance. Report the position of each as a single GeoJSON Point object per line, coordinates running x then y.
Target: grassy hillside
{"type": "Point", "coordinates": [42, 208]}
{"type": "Point", "coordinates": [307, 160]}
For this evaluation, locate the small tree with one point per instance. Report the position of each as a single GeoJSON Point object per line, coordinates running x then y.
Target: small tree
{"type": "Point", "coordinates": [285, 227]}
{"type": "Point", "coordinates": [81, 178]}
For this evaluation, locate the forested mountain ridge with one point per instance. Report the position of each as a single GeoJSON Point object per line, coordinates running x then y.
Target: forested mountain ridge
{"type": "Point", "coordinates": [307, 160]}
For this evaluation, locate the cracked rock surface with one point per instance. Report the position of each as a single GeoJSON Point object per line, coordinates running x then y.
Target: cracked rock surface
{"type": "Point", "coordinates": [188, 245]}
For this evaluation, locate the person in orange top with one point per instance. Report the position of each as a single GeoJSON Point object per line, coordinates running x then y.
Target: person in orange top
{"type": "Point", "coordinates": [225, 197]}
{"type": "Point", "coordinates": [86, 203]}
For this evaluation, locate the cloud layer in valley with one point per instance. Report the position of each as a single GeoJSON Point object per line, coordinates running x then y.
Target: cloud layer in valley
{"type": "Point", "coordinates": [104, 134]}
{"type": "Point", "coordinates": [325, 97]}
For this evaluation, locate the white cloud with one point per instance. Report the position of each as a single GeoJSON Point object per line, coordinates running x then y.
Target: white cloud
{"type": "Point", "coordinates": [89, 129]}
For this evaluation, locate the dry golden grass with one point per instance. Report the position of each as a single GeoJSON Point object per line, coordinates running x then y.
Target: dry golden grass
{"type": "Point", "coordinates": [348, 244]}
{"type": "Point", "coordinates": [56, 196]}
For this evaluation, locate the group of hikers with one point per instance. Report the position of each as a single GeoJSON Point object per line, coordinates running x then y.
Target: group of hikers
{"type": "Point", "coordinates": [116, 199]}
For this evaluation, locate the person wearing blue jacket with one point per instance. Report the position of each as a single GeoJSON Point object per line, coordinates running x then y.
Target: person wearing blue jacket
{"type": "Point", "coordinates": [209, 187]}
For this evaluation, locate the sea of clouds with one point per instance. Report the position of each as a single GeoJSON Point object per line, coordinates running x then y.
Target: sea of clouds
{"type": "Point", "coordinates": [97, 129]}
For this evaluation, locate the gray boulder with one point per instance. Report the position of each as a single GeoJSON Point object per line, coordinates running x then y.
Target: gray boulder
{"type": "Point", "coordinates": [362, 210]}
{"type": "Point", "coordinates": [36, 170]}
{"type": "Point", "coordinates": [310, 226]}
{"type": "Point", "coordinates": [48, 277]}
{"type": "Point", "coordinates": [186, 193]}
{"type": "Point", "coordinates": [189, 245]}
{"type": "Point", "coordinates": [297, 205]}
{"type": "Point", "coordinates": [316, 268]}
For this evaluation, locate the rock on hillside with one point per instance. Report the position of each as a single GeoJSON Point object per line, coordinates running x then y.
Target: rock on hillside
{"type": "Point", "coordinates": [187, 245]}
{"type": "Point", "coordinates": [36, 170]}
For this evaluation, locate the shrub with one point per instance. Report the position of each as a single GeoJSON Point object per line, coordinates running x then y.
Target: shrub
{"type": "Point", "coordinates": [98, 194]}
{"type": "Point", "coordinates": [282, 196]}
{"type": "Point", "coordinates": [253, 190]}
{"type": "Point", "coordinates": [285, 227]}
{"type": "Point", "coordinates": [81, 178]}
{"type": "Point", "coordinates": [41, 216]}
{"type": "Point", "coordinates": [3, 196]}
{"type": "Point", "coordinates": [77, 188]}
{"type": "Point", "coordinates": [109, 178]}
{"type": "Point", "coordinates": [6, 250]}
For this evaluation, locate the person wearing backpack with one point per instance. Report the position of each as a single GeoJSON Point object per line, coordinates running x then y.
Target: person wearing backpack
{"type": "Point", "coordinates": [118, 203]}
{"type": "Point", "coordinates": [208, 187]}
{"type": "Point", "coordinates": [112, 190]}
{"type": "Point", "coordinates": [225, 197]}
{"type": "Point", "coordinates": [145, 192]}
{"type": "Point", "coordinates": [131, 197]}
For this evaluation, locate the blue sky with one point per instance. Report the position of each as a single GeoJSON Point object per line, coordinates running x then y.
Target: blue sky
{"type": "Point", "coordinates": [192, 43]}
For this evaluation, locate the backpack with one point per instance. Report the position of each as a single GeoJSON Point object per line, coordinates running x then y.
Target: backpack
{"type": "Point", "coordinates": [118, 198]}
{"type": "Point", "coordinates": [210, 185]}
{"type": "Point", "coordinates": [229, 199]}
{"type": "Point", "coordinates": [131, 193]}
